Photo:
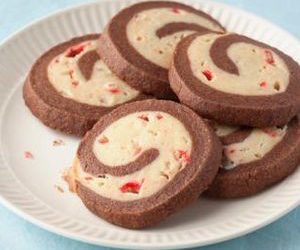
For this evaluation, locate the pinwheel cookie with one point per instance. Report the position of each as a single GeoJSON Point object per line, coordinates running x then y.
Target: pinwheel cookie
{"type": "Point", "coordinates": [255, 159]}
{"type": "Point", "coordinates": [235, 80]}
{"type": "Point", "coordinates": [69, 87]}
{"type": "Point", "coordinates": [139, 41]}
{"type": "Point", "coordinates": [144, 161]}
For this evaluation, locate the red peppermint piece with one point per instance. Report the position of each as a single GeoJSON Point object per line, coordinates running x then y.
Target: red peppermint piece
{"type": "Point", "coordinates": [269, 57]}
{"type": "Point", "coordinates": [144, 117]}
{"type": "Point", "coordinates": [159, 116]}
{"type": "Point", "coordinates": [28, 155]}
{"type": "Point", "coordinates": [131, 187]}
{"type": "Point", "coordinates": [114, 90]}
{"type": "Point", "coordinates": [103, 140]}
{"type": "Point", "coordinates": [270, 132]}
{"type": "Point", "coordinates": [74, 50]}
{"type": "Point", "coordinates": [175, 10]}
{"type": "Point", "coordinates": [208, 74]}
{"type": "Point", "coordinates": [263, 85]}
{"type": "Point", "coordinates": [184, 156]}
{"type": "Point", "coordinates": [74, 83]}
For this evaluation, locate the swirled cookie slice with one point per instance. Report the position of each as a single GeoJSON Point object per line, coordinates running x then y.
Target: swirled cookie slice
{"type": "Point", "coordinates": [254, 159]}
{"type": "Point", "coordinates": [139, 41]}
{"type": "Point", "coordinates": [144, 161]}
{"type": "Point", "coordinates": [69, 87]}
{"type": "Point", "coordinates": [235, 80]}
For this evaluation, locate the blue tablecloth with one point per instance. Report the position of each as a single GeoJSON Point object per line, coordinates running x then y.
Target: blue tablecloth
{"type": "Point", "coordinates": [17, 234]}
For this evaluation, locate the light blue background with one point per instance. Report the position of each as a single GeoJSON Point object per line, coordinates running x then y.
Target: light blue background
{"type": "Point", "coordinates": [17, 234]}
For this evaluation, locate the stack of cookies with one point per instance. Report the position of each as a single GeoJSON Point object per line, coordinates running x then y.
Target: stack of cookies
{"type": "Point", "coordinates": [170, 106]}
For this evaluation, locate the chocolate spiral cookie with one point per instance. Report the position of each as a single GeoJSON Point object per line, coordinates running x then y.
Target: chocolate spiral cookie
{"type": "Point", "coordinates": [139, 41]}
{"type": "Point", "coordinates": [69, 87]}
{"type": "Point", "coordinates": [254, 159]}
{"type": "Point", "coordinates": [144, 161]}
{"type": "Point", "coordinates": [235, 80]}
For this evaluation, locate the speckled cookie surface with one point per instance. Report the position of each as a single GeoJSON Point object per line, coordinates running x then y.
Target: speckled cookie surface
{"type": "Point", "coordinates": [235, 80]}
{"type": "Point", "coordinates": [69, 87]}
{"type": "Point", "coordinates": [144, 161]}
{"type": "Point", "coordinates": [139, 41]}
{"type": "Point", "coordinates": [254, 159]}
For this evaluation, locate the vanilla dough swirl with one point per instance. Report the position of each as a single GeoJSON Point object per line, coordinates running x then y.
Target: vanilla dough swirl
{"type": "Point", "coordinates": [150, 133]}
{"type": "Point", "coordinates": [232, 65]}
{"type": "Point", "coordinates": [98, 87]}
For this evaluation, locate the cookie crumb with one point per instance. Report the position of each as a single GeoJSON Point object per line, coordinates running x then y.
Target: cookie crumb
{"type": "Point", "coordinates": [67, 177]}
{"type": "Point", "coordinates": [59, 188]}
{"type": "Point", "coordinates": [58, 142]}
{"type": "Point", "coordinates": [65, 174]}
{"type": "Point", "coordinates": [28, 155]}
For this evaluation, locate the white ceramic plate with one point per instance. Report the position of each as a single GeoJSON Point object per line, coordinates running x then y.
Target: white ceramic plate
{"type": "Point", "coordinates": [27, 186]}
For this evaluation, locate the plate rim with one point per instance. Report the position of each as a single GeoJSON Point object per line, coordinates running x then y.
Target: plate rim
{"type": "Point", "coordinates": [109, 243]}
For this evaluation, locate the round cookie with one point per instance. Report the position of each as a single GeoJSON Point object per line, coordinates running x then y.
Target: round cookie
{"type": "Point", "coordinates": [235, 80]}
{"type": "Point", "coordinates": [255, 159]}
{"type": "Point", "coordinates": [139, 41]}
{"type": "Point", "coordinates": [143, 162]}
{"type": "Point", "coordinates": [69, 87]}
